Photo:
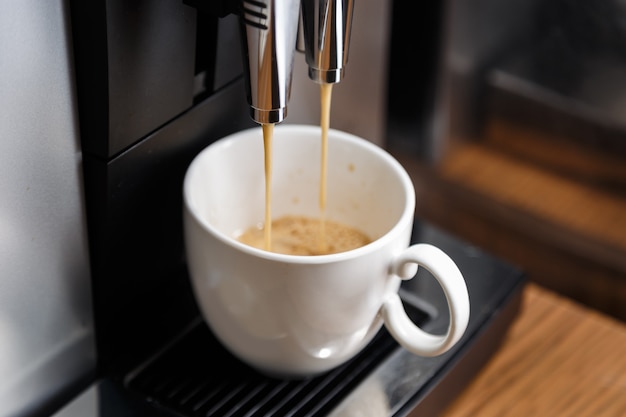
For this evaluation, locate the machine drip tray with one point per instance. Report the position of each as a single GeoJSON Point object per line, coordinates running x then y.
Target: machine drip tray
{"type": "Point", "coordinates": [195, 376]}
{"type": "Point", "coordinates": [190, 381]}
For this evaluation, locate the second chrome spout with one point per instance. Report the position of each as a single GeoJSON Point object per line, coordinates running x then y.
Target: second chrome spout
{"type": "Point", "coordinates": [326, 31]}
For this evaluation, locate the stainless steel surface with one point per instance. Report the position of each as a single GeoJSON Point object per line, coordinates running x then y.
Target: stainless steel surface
{"type": "Point", "coordinates": [271, 29]}
{"type": "Point", "coordinates": [359, 100]}
{"type": "Point", "coordinates": [46, 335]}
{"type": "Point", "coordinates": [86, 404]}
{"type": "Point", "coordinates": [326, 27]}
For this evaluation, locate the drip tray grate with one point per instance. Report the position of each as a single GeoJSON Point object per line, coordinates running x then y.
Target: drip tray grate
{"type": "Point", "coordinates": [197, 376]}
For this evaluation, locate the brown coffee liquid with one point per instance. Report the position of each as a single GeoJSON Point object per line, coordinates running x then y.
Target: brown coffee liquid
{"type": "Point", "coordinates": [268, 134]}
{"type": "Point", "coordinates": [325, 99]}
{"type": "Point", "coordinates": [322, 238]}
{"type": "Point", "coordinates": [298, 235]}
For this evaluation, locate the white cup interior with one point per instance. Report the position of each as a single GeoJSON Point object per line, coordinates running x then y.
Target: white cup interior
{"type": "Point", "coordinates": [367, 189]}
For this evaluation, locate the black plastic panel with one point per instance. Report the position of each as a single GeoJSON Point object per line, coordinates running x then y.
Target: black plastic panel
{"type": "Point", "coordinates": [134, 203]}
{"type": "Point", "coordinates": [135, 68]}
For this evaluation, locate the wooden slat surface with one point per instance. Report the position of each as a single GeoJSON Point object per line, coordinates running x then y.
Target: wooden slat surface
{"type": "Point", "coordinates": [559, 359]}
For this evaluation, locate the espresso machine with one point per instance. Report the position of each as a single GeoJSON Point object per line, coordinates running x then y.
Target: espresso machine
{"type": "Point", "coordinates": [139, 88]}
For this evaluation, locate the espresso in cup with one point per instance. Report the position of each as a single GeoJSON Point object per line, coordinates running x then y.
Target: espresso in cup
{"type": "Point", "coordinates": [308, 236]}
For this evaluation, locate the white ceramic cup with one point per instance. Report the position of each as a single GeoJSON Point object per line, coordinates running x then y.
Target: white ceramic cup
{"type": "Point", "coordinates": [295, 316]}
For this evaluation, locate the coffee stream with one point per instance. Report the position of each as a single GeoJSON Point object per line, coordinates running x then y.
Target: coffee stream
{"type": "Point", "coordinates": [325, 95]}
{"type": "Point", "coordinates": [268, 135]}
{"type": "Point", "coordinates": [293, 234]}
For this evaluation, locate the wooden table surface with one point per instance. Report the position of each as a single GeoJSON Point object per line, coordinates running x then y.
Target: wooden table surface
{"type": "Point", "coordinates": [558, 359]}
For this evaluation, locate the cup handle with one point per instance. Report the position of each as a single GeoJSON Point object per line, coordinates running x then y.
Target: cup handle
{"type": "Point", "coordinates": [445, 271]}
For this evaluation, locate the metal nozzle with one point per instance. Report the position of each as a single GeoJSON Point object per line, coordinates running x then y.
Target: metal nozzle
{"type": "Point", "coordinates": [269, 31]}
{"type": "Point", "coordinates": [326, 27]}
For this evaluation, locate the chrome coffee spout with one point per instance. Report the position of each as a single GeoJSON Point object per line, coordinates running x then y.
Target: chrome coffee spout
{"type": "Point", "coordinates": [269, 33]}
{"type": "Point", "coordinates": [326, 30]}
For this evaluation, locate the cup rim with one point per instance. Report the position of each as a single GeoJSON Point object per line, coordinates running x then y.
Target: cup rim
{"type": "Point", "coordinates": [406, 216]}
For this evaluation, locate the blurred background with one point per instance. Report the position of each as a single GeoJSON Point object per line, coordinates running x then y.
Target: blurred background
{"type": "Point", "coordinates": [511, 118]}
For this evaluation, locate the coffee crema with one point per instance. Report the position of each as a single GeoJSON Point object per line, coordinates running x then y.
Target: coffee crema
{"type": "Point", "coordinates": [299, 235]}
